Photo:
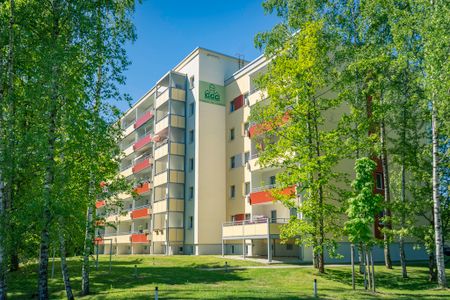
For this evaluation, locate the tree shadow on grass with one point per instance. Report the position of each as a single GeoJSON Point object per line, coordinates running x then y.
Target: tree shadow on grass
{"type": "Point", "coordinates": [383, 279]}
{"type": "Point", "coordinates": [122, 276]}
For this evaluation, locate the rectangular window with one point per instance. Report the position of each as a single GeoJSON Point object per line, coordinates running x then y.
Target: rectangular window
{"type": "Point", "coordinates": [191, 222]}
{"type": "Point", "coordinates": [191, 193]}
{"type": "Point", "coordinates": [233, 162]}
{"type": "Point", "coordinates": [191, 82]}
{"type": "Point", "coordinates": [289, 246]}
{"type": "Point", "coordinates": [272, 180]}
{"type": "Point", "coordinates": [191, 136]}
{"type": "Point", "coordinates": [273, 216]}
{"type": "Point", "coordinates": [191, 109]}
{"type": "Point", "coordinates": [247, 188]}
{"type": "Point", "coordinates": [246, 157]}
{"type": "Point", "coordinates": [191, 164]}
{"type": "Point", "coordinates": [293, 211]}
{"type": "Point", "coordinates": [246, 126]}
{"type": "Point", "coordinates": [232, 191]}
{"type": "Point", "coordinates": [379, 181]}
{"type": "Point", "coordinates": [246, 102]}
{"type": "Point", "coordinates": [231, 134]}
{"type": "Point", "coordinates": [247, 217]}
{"type": "Point", "coordinates": [236, 103]}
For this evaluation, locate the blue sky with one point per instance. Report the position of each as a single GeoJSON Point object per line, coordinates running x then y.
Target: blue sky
{"type": "Point", "coordinates": [169, 30]}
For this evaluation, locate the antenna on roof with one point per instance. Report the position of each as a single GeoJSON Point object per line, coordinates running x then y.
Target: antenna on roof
{"type": "Point", "coordinates": [241, 60]}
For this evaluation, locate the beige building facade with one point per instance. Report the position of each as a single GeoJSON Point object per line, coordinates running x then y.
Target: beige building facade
{"type": "Point", "coordinates": [191, 153]}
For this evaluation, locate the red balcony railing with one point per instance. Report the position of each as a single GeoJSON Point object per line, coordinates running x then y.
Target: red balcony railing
{"type": "Point", "coordinates": [142, 165]}
{"type": "Point", "coordinates": [143, 119]}
{"type": "Point", "coordinates": [142, 142]}
{"type": "Point", "coordinates": [143, 188]}
{"type": "Point", "coordinates": [257, 129]}
{"type": "Point", "coordinates": [140, 213]}
{"type": "Point", "coordinates": [139, 238]}
{"type": "Point", "coordinates": [266, 195]}
{"type": "Point", "coordinates": [100, 203]}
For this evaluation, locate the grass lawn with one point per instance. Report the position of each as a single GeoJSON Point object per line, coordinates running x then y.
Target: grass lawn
{"type": "Point", "coordinates": [184, 277]}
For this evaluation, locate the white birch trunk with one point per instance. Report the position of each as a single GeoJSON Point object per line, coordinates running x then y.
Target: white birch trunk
{"type": "Point", "coordinates": [440, 264]}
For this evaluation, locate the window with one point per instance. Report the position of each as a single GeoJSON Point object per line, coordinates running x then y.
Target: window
{"type": "Point", "coordinates": [289, 246]}
{"type": "Point", "coordinates": [236, 103]}
{"type": "Point", "coordinates": [191, 136]}
{"type": "Point", "coordinates": [246, 127]}
{"type": "Point", "coordinates": [293, 211]}
{"type": "Point", "coordinates": [246, 157]}
{"type": "Point", "coordinates": [272, 180]}
{"type": "Point", "coordinates": [191, 222]}
{"type": "Point", "coordinates": [191, 82]}
{"type": "Point", "coordinates": [273, 216]}
{"type": "Point", "coordinates": [231, 134]}
{"type": "Point", "coordinates": [191, 164]}
{"type": "Point", "coordinates": [247, 217]}
{"type": "Point", "coordinates": [233, 162]}
{"type": "Point", "coordinates": [191, 109]}
{"type": "Point", "coordinates": [379, 181]}
{"type": "Point", "coordinates": [247, 188]}
{"type": "Point", "coordinates": [246, 102]}
{"type": "Point", "coordinates": [191, 193]}
{"type": "Point", "coordinates": [232, 191]}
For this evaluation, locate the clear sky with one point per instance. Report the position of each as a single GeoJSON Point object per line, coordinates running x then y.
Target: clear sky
{"type": "Point", "coordinates": [168, 30]}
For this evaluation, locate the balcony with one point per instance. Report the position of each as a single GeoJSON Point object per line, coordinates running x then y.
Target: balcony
{"type": "Point", "coordinates": [142, 142]}
{"type": "Point", "coordinates": [258, 129]}
{"type": "Point", "coordinates": [143, 119]}
{"type": "Point", "coordinates": [123, 237]}
{"type": "Point", "coordinates": [175, 94]}
{"type": "Point", "coordinates": [165, 176]}
{"type": "Point", "coordinates": [126, 170]}
{"type": "Point", "coordinates": [141, 212]}
{"type": "Point", "coordinates": [175, 121]}
{"type": "Point", "coordinates": [142, 164]}
{"type": "Point", "coordinates": [260, 227]}
{"type": "Point", "coordinates": [100, 203]}
{"type": "Point", "coordinates": [139, 238]}
{"type": "Point", "coordinates": [166, 148]}
{"type": "Point", "coordinates": [256, 96]}
{"type": "Point", "coordinates": [263, 194]}
{"type": "Point", "coordinates": [143, 188]}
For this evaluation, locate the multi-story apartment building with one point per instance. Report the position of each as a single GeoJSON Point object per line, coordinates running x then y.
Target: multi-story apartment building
{"type": "Point", "coordinates": [190, 150]}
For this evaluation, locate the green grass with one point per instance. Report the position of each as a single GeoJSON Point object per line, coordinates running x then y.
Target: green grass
{"type": "Point", "coordinates": [184, 277]}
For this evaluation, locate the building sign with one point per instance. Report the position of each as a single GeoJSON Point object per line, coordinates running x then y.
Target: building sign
{"type": "Point", "coordinates": [212, 93]}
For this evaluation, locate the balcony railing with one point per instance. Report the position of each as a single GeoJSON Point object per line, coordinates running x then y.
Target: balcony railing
{"type": "Point", "coordinates": [254, 155]}
{"type": "Point", "coordinates": [125, 167]}
{"type": "Point", "coordinates": [142, 164]}
{"type": "Point", "coordinates": [263, 188]}
{"type": "Point", "coordinates": [263, 194]}
{"type": "Point", "coordinates": [142, 142]}
{"type": "Point", "coordinates": [257, 220]}
{"type": "Point", "coordinates": [144, 118]}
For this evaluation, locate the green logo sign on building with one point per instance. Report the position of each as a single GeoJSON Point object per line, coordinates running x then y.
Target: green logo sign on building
{"type": "Point", "coordinates": [212, 93]}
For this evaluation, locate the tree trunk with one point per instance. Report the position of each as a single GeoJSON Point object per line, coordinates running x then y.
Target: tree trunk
{"type": "Point", "coordinates": [64, 269]}
{"type": "Point", "coordinates": [361, 258]}
{"type": "Point", "coordinates": [2, 244]}
{"type": "Point", "coordinates": [369, 272]}
{"type": "Point", "coordinates": [402, 224]}
{"type": "Point", "coordinates": [387, 197]}
{"type": "Point", "coordinates": [86, 252]}
{"type": "Point", "coordinates": [439, 246]}
{"type": "Point", "coordinates": [49, 171]}
{"type": "Point", "coordinates": [431, 270]}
